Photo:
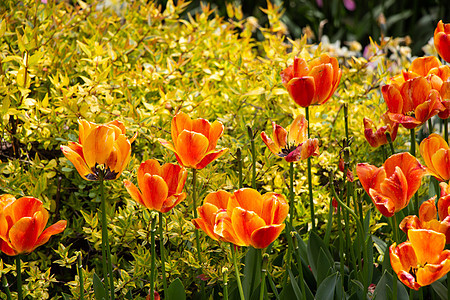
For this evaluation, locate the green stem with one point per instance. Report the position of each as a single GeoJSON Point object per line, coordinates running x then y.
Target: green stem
{"type": "Point", "coordinates": [446, 130]}
{"type": "Point", "coordinates": [265, 258]}
{"type": "Point", "coordinates": [105, 242]}
{"type": "Point", "coordinates": [253, 149]}
{"type": "Point", "coordinates": [225, 283]}
{"type": "Point", "coordinates": [80, 275]}
{"type": "Point", "coordinates": [239, 159]}
{"type": "Point", "coordinates": [412, 148]}
{"type": "Point", "coordinates": [163, 258]}
{"type": "Point", "coordinates": [394, 286]}
{"type": "Point", "coordinates": [311, 200]}
{"type": "Point", "coordinates": [197, 236]}
{"type": "Point", "coordinates": [395, 229]}
{"type": "Point", "coordinates": [236, 269]}
{"type": "Point", "coordinates": [329, 223]}
{"type": "Point", "coordinates": [430, 127]}
{"type": "Point", "coordinates": [448, 285]}
{"type": "Point", "coordinates": [104, 235]}
{"type": "Point", "coordinates": [152, 268]}
{"type": "Point", "coordinates": [291, 193]}
{"type": "Point", "coordinates": [341, 245]}
{"type": "Point", "coordinates": [391, 144]}
{"type": "Point", "coordinates": [19, 277]}
{"type": "Point", "coordinates": [383, 150]}
{"type": "Point", "coordinates": [6, 287]}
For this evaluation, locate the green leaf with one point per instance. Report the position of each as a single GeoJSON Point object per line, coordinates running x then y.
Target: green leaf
{"type": "Point", "coordinates": [99, 288]}
{"type": "Point", "coordinates": [297, 291]}
{"type": "Point", "coordinates": [252, 271]}
{"type": "Point", "coordinates": [384, 288]}
{"type": "Point", "coordinates": [66, 297]}
{"type": "Point", "coordinates": [440, 289]}
{"type": "Point", "coordinates": [327, 287]}
{"type": "Point", "coordinates": [323, 266]}
{"type": "Point", "coordinates": [176, 290]}
{"type": "Point", "coordinates": [315, 243]}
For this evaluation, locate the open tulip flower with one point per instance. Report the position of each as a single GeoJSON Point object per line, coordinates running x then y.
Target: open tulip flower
{"type": "Point", "coordinates": [244, 218]}
{"type": "Point", "coordinates": [436, 154]}
{"type": "Point", "coordinates": [103, 150]}
{"type": "Point", "coordinates": [160, 186]}
{"type": "Point", "coordinates": [22, 224]}
{"type": "Point", "coordinates": [194, 141]}
{"type": "Point", "coordinates": [377, 137]}
{"type": "Point", "coordinates": [413, 102]}
{"type": "Point", "coordinates": [292, 146]}
{"type": "Point", "coordinates": [422, 259]}
{"type": "Point", "coordinates": [442, 40]}
{"type": "Point", "coordinates": [314, 82]}
{"type": "Point", "coordinates": [391, 186]}
{"type": "Point", "coordinates": [428, 218]}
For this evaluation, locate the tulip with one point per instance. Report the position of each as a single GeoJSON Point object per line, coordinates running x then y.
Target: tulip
{"type": "Point", "coordinates": [194, 141]}
{"type": "Point", "coordinates": [22, 223]}
{"type": "Point", "coordinates": [312, 83]}
{"type": "Point", "coordinates": [160, 186]}
{"type": "Point", "coordinates": [102, 152]}
{"type": "Point", "coordinates": [421, 260]}
{"type": "Point", "coordinates": [436, 154]}
{"type": "Point", "coordinates": [391, 186]}
{"type": "Point", "coordinates": [377, 137]}
{"type": "Point", "coordinates": [442, 40]}
{"type": "Point", "coordinates": [413, 102]}
{"type": "Point", "coordinates": [244, 218]}
{"type": "Point", "coordinates": [292, 146]}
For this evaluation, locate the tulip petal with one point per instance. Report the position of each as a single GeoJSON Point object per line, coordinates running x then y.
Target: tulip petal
{"type": "Point", "coordinates": [244, 223]}
{"type": "Point", "coordinates": [427, 211]}
{"type": "Point", "coordinates": [384, 204]}
{"type": "Point", "coordinates": [218, 199]}
{"type": "Point", "coordinates": [192, 148]}
{"type": "Point", "coordinates": [247, 199]}
{"type": "Point", "coordinates": [150, 166]}
{"type": "Point", "coordinates": [76, 159]}
{"type": "Point", "coordinates": [25, 207]}
{"type": "Point", "coordinates": [275, 208]}
{"type": "Point", "coordinates": [410, 222]}
{"type": "Point", "coordinates": [224, 228]}
{"type": "Point", "coordinates": [49, 231]}
{"type": "Point", "coordinates": [154, 191]}
{"type": "Point", "coordinates": [393, 98]}
{"type": "Point", "coordinates": [427, 245]}
{"type": "Point", "coordinates": [432, 272]}
{"type": "Point", "coordinates": [210, 157]}
{"type": "Point", "coordinates": [441, 163]}
{"type": "Point", "coordinates": [279, 135]}
{"type": "Point", "coordinates": [23, 235]}
{"type": "Point", "coordinates": [395, 187]}
{"type": "Point", "coordinates": [307, 149]}
{"type": "Point", "coordinates": [273, 147]}
{"type": "Point", "coordinates": [98, 146]}
{"type": "Point", "coordinates": [264, 236]}
{"type": "Point", "coordinates": [443, 207]}
{"type": "Point", "coordinates": [423, 65]}
{"type": "Point", "coordinates": [175, 177]}
{"type": "Point", "coordinates": [298, 132]}
{"type": "Point", "coordinates": [134, 192]}
{"type": "Point", "coordinates": [172, 201]}
{"type": "Point", "coordinates": [370, 176]}
{"type": "Point", "coordinates": [323, 80]}
{"type": "Point", "coordinates": [215, 132]}
{"type": "Point", "coordinates": [180, 122]}
{"type": "Point", "coordinates": [302, 90]}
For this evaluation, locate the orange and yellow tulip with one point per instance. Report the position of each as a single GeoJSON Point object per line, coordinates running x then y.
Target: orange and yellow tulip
{"type": "Point", "coordinates": [244, 218]}
{"type": "Point", "coordinates": [421, 260]}
{"type": "Point", "coordinates": [436, 154]}
{"type": "Point", "coordinates": [312, 83]}
{"type": "Point", "coordinates": [194, 141]}
{"type": "Point", "coordinates": [292, 146]}
{"type": "Point", "coordinates": [412, 102]}
{"type": "Point", "coordinates": [428, 218]}
{"type": "Point", "coordinates": [160, 186]}
{"type": "Point", "coordinates": [22, 223]}
{"type": "Point", "coordinates": [377, 137]}
{"type": "Point", "coordinates": [391, 186]}
{"type": "Point", "coordinates": [442, 40]}
{"type": "Point", "coordinates": [102, 152]}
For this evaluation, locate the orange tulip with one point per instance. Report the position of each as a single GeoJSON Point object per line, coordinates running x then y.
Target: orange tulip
{"type": "Point", "coordinates": [442, 40]}
{"type": "Point", "coordinates": [292, 146]}
{"type": "Point", "coordinates": [22, 223]}
{"type": "Point", "coordinates": [421, 260]}
{"type": "Point", "coordinates": [244, 218]}
{"type": "Point", "coordinates": [377, 137]}
{"type": "Point", "coordinates": [428, 218]}
{"type": "Point", "coordinates": [391, 186]}
{"type": "Point", "coordinates": [160, 186]}
{"type": "Point", "coordinates": [436, 154]}
{"type": "Point", "coordinates": [194, 141]}
{"type": "Point", "coordinates": [312, 83]}
{"type": "Point", "coordinates": [102, 151]}
{"type": "Point", "coordinates": [412, 102]}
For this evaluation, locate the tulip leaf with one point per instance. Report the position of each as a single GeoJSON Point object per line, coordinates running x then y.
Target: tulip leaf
{"type": "Point", "coordinates": [252, 271]}
{"type": "Point", "coordinates": [440, 289]}
{"type": "Point", "coordinates": [384, 288]}
{"type": "Point", "coordinates": [323, 267]}
{"type": "Point", "coordinates": [327, 288]}
{"type": "Point", "coordinates": [315, 244]}
{"type": "Point", "coordinates": [99, 288]}
{"type": "Point", "coordinates": [176, 290]}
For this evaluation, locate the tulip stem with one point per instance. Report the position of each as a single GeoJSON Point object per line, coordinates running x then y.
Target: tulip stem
{"type": "Point", "coordinates": [291, 193]}
{"type": "Point", "coordinates": [152, 268]}
{"type": "Point", "coordinates": [253, 150]}
{"type": "Point", "coordinates": [236, 269]}
{"type": "Point", "coordinates": [446, 130]}
{"type": "Point", "coordinates": [106, 251]}
{"type": "Point", "coordinates": [6, 287]}
{"type": "Point", "coordinates": [162, 251]}
{"type": "Point", "coordinates": [395, 229]}
{"type": "Point", "coordinates": [448, 285]}
{"type": "Point", "coordinates": [197, 237]}
{"type": "Point", "coordinates": [391, 144]}
{"type": "Point", "coordinates": [80, 275]}
{"type": "Point", "coordinates": [239, 159]}
{"type": "Point", "coordinates": [311, 200]}
{"type": "Point", "coordinates": [225, 283]}
{"type": "Point", "coordinates": [413, 153]}
{"type": "Point", "coordinates": [265, 258]}
{"type": "Point", "coordinates": [19, 278]}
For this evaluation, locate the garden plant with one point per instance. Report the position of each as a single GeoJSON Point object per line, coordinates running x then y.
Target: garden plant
{"type": "Point", "coordinates": [150, 153]}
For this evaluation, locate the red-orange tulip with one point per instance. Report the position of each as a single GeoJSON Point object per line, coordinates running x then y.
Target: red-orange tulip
{"type": "Point", "coordinates": [442, 40]}
{"type": "Point", "coordinates": [194, 141]}
{"type": "Point", "coordinates": [160, 186]}
{"type": "Point", "coordinates": [413, 102]}
{"type": "Point", "coordinates": [421, 260]}
{"type": "Point", "coordinates": [391, 186]}
{"type": "Point", "coordinates": [436, 154]}
{"type": "Point", "coordinates": [22, 223]}
{"type": "Point", "coordinates": [244, 218]}
{"type": "Point", "coordinates": [428, 218]}
{"type": "Point", "coordinates": [377, 137]}
{"type": "Point", "coordinates": [292, 146]}
{"type": "Point", "coordinates": [312, 83]}
{"type": "Point", "coordinates": [102, 150]}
